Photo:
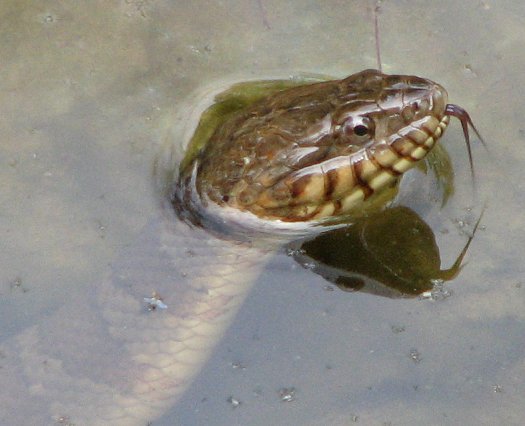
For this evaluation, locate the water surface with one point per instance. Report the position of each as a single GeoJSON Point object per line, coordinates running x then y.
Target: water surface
{"type": "Point", "coordinates": [88, 94]}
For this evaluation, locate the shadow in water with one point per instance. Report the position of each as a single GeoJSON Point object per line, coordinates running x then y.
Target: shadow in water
{"type": "Point", "coordinates": [392, 253]}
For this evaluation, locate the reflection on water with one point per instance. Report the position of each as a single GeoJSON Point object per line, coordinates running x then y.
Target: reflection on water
{"type": "Point", "coordinates": [392, 253]}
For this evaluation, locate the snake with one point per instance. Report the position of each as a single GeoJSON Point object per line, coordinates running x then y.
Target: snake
{"type": "Point", "coordinates": [292, 160]}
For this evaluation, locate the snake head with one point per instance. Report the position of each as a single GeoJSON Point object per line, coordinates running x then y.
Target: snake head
{"type": "Point", "coordinates": [321, 151]}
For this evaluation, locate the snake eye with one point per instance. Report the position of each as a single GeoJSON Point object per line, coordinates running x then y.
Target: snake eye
{"type": "Point", "coordinates": [358, 129]}
{"type": "Point", "coordinates": [361, 130]}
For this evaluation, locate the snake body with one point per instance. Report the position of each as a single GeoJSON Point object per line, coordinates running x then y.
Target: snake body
{"type": "Point", "coordinates": [298, 158]}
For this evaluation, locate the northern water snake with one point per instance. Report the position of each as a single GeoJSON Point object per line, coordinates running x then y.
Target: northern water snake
{"type": "Point", "coordinates": [288, 162]}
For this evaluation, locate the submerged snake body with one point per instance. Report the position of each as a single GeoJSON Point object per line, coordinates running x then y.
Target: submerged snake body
{"type": "Point", "coordinates": [301, 156]}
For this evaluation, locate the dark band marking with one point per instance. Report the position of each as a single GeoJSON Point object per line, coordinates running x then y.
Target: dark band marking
{"type": "Point", "coordinates": [299, 185]}
{"type": "Point", "coordinates": [413, 139]}
{"type": "Point", "coordinates": [331, 180]}
{"type": "Point", "coordinates": [389, 169]}
{"type": "Point", "coordinates": [361, 181]}
{"type": "Point", "coordinates": [398, 149]}
{"type": "Point", "coordinates": [428, 131]}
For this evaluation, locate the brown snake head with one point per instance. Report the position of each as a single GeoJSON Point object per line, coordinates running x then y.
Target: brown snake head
{"type": "Point", "coordinates": [321, 150]}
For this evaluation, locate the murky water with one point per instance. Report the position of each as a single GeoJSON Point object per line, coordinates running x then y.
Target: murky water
{"type": "Point", "coordinates": [88, 92]}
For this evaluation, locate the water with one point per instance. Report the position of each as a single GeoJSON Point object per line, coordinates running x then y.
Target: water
{"type": "Point", "coordinates": [88, 91]}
